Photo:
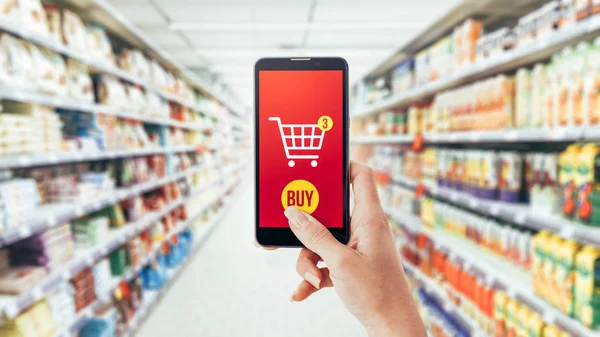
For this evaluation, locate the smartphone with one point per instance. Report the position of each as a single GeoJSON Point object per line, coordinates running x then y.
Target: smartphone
{"type": "Point", "coordinates": [301, 146]}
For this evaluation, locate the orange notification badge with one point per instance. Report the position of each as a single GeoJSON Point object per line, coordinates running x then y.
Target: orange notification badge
{"type": "Point", "coordinates": [301, 194]}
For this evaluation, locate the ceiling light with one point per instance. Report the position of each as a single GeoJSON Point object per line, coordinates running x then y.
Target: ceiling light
{"type": "Point", "coordinates": [320, 26]}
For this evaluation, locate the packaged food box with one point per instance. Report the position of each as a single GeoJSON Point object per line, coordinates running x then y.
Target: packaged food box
{"type": "Point", "coordinates": [490, 176]}
{"type": "Point", "coordinates": [587, 287]}
{"type": "Point", "coordinates": [564, 275]}
{"type": "Point", "coordinates": [553, 290]}
{"type": "Point", "coordinates": [511, 176]}
{"type": "Point", "coordinates": [74, 31]}
{"type": "Point", "coordinates": [568, 164]}
{"type": "Point", "coordinates": [402, 76]}
{"type": "Point", "coordinates": [500, 313]}
{"type": "Point", "coordinates": [512, 316]}
{"type": "Point", "coordinates": [535, 325]}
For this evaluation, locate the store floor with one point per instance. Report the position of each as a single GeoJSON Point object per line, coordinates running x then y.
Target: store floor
{"type": "Point", "coordinates": [231, 288]}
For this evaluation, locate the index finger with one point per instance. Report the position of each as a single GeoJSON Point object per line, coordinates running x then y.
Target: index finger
{"type": "Point", "coordinates": [363, 184]}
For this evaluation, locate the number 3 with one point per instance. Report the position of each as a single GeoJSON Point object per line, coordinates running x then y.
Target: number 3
{"type": "Point", "coordinates": [325, 123]}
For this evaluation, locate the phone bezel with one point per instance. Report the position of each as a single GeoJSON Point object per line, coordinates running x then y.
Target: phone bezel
{"type": "Point", "coordinates": [284, 237]}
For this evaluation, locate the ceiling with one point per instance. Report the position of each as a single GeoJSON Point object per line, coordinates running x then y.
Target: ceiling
{"type": "Point", "coordinates": [224, 38]}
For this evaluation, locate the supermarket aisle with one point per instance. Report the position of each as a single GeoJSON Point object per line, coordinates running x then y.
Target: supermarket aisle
{"type": "Point", "coordinates": [233, 289]}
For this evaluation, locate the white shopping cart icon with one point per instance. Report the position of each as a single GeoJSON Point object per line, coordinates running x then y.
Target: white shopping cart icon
{"type": "Point", "coordinates": [299, 139]}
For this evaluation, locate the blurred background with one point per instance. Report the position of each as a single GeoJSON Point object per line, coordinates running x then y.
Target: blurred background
{"type": "Point", "coordinates": [126, 202]}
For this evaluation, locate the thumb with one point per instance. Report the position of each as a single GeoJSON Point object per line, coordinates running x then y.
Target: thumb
{"type": "Point", "coordinates": [313, 234]}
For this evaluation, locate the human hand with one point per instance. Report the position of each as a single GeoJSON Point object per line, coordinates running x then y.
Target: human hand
{"type": "Point", "coordinates": [366, 274]}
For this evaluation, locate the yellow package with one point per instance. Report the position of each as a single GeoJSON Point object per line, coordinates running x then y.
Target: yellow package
{"type": "Point", "coordinates": [523, 315]}
{"type": "Point", "coordinates": [428, 213]}
{"type": "Point", "coordinates": [512, 324]}
{"type": "Point", "coordinates": [535, 325]}
{"type": "Point", "coordinates": [587, 287]}
{"type": "Point", "coordinates": [565, 275]}
{"type": "Point", "coordinates": [22, 325]}
{"type": "Point", "coordinates": [42, 318]}
{"type": "Point", "coordinates": [500, 307]}
{"type": "Point", "coordinates": [540, 245]}
{"type": "Point", "coordinates": [552, 289]}
{"type": "Point", "coordinates": [554, 331]}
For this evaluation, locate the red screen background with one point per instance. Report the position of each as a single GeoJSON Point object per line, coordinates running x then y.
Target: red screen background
{"type": "Point", "coordinates": [300, 97]}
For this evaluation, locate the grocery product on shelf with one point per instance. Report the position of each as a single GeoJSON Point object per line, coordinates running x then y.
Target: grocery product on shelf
{"type": "Point", "coordinates": [36, 321]}
{"type": "Point", "coordinates": [17, 198]}
{"type": "Point", "coordinates": [84, 289]}
{"type": "Point", "coordinates": [50, 249]}
{"type": "Point", "coordinates": [402, 76]}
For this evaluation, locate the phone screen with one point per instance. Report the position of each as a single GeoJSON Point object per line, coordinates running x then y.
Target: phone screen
{"type": "Point", "coordinates": [300, 116]}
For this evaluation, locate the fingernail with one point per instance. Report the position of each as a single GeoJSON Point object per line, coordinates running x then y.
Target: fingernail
{"type": "Point", "coordinates": [292, 297]}
{"type": "Point", "coordinates": [312, 279]}
{"type": "Point", "coordinates": [297, 218]}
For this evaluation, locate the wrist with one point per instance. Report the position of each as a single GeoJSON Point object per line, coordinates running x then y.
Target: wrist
{"type": "Point", "coordinates": [399, 317]}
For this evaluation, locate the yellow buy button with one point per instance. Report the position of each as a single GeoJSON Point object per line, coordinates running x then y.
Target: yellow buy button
{"type": "Point", "coordinates": [301, 194]}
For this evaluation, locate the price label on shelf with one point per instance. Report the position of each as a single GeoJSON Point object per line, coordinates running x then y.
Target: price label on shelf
{"type": "Point", "coordinates": [24, 160]}
{"type": "Point", "coordinates": [11, 310]}
{"type": "Point", "coordinates": [549, 316]}
{"type": "Point", "coordinates": [52, 158]}
{"type": "Point", "coordinates": [37, 294]}
{"type": "Point", "coordinates": [511, 136]}
{"type": "Point", "coordinates": [79, 211]}
{"type": "Point", "coordinates": [52, 221]}
{"type": "Point", "coordinates": [25, 232]}
{"type": "Point", "coordinates": [57, 101]}
{"type": "Point", "coordinates": [567, 231]}
{"type": "Point", "coordinates": [19, 96]}
{"type": "Point", "coordinates": [520, 218]}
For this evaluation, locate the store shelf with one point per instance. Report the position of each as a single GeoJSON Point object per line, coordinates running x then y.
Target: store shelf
{"type": "Point", "coordinates": [50, 215]}
{"type": "Point", "coordinates": [29, 96]}
{"type": "Point", "coordinates": [388, 139]}
{"type": "Point", "coordinates": [13, 305]}
{"type": "Point", "coordinates": [533, 135]}
{"type": "Point", "coordinates": [520, 214]}
{"type": "Point", "coordinates": [42, 159]}
{"type": "Point", "coordinates": [540, 49]}
{"type": "Point", "coordinates": [436, 290]}
{"type": "Point", "coordinates": [516, 283]}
